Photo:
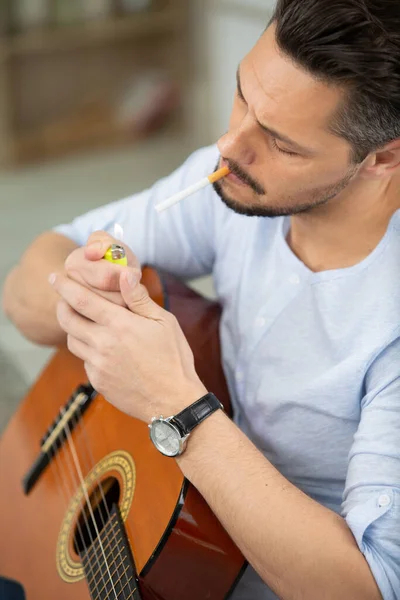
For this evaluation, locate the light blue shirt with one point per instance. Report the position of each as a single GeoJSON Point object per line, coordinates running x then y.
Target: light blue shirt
{"type": "Point", "coordinates": [312, 359]}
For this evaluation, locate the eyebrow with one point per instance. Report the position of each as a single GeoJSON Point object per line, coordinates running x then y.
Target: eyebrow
{"type": "Point", "coordinates": [279, 136]}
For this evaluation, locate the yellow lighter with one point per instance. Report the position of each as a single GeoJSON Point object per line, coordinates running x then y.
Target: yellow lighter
{"type": "Point", "coordinates": [116, 254]}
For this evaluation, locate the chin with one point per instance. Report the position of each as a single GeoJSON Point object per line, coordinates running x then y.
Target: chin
{"type": "Point", "coordinates": [246, 209]}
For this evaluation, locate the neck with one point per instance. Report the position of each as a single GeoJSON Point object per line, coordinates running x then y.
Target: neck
{"type": "Point", "coordinates": [344, 231]}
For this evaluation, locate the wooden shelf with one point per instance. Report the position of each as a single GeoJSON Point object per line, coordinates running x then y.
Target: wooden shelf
{"type": "Point", "coordinates": [91, 34]}
{"type": "Point", "coordinates": [61, 86]}
{"type": "Point", "coordinates": [74, 135]}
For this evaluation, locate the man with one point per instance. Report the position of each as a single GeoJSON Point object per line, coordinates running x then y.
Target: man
{"type": "Point", "coordinates": [306, 480]}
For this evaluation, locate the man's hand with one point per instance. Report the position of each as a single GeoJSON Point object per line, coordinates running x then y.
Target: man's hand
{"type": "Point", "coordinates": [85, 266]}
{"type": "Point", "coordinates": [138, 359]}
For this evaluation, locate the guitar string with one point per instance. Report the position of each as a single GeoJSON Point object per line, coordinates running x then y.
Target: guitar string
{"type": "Point", "coordinates": [76, 485]}
{"type": "Point", "coordinates": [88, 467]}
{"type": "Point", "coordinates": [90, 460]}
{"type": "Point", "coordinates": [65, 493]}
{"type": "Point", "coordinates": [75, 488]}
{"type": "Point", "coordinates": [84, 489]}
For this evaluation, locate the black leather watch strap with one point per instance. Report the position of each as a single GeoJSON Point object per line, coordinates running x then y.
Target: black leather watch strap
{"type": "Point", "coordinates": [193, 415]}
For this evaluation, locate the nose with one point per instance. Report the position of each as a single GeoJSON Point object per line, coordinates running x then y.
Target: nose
{"type": "Point", "coordinates": [236, 144]}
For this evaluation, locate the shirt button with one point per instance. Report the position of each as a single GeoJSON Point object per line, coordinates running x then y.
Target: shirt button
{"type": "Point", "coordinates": [384, 500]}
{"type": "Point", "coordinates": [294, 279]}
{"type": "Point", "coordinates": [260, 322]}
{"type": "Point", "coordinates": [239, 376]}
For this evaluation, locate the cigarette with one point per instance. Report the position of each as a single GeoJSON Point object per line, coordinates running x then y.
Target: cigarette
{"type": "Point", "coordinates": [193, 189]}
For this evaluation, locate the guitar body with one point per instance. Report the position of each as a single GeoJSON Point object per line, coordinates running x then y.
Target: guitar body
{"type": "Point", "coordinates": [179, 548]}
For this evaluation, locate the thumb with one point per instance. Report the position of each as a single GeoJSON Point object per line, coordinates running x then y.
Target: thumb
{"type": "Point", "coordinates": [98, 244]}
{"type": "Point", "coordinates": [136, 296]}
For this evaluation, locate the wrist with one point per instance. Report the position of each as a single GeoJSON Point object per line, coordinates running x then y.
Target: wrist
{"type": "Point", "coordinates": [170, 434]}
{"type": "Point", "coordinates": [188, 393]}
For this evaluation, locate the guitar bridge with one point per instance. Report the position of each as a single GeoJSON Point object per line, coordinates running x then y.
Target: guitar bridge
{"type": "Point", "coordinates": [58, 432]}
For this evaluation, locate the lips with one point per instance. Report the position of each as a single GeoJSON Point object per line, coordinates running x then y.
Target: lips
{"type": "Point", "coordinates": [232, 177]}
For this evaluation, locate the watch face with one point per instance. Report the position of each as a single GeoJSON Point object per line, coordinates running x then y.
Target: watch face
{"type": "Point", "coordinates": [165, 438]}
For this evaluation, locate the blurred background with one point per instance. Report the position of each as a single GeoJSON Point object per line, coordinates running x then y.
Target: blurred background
{"type": "Point", "coordinates": [98, 99]}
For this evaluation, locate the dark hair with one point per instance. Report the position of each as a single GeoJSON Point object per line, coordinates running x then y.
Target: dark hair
{"type": "Point", "coordinates": [354, 44]}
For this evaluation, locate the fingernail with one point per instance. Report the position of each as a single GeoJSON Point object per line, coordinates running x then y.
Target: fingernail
{"type": "Point", "coordinates": [52, 278]}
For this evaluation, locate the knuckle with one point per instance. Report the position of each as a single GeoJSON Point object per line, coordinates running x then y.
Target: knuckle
{"type": "Point", "coordinates": [141, 301]}
{"type": "Point", "coordinates": [143, 294]}
{"type": "Point", "coordinates": [75, 265]}
{"type": "Point", "coordinates": [71, 259]}
{"type": "Point", "coordinates": [81, 302]}
{"type": "Point", "coordinates": [141, 298]}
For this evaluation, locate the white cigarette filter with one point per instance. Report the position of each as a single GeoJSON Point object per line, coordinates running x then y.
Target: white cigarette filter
{"type": "Point", "coordinates": [216, 176]}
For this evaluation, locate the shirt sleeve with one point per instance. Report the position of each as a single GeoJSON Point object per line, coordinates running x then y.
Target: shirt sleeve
{"type": "Point", "coordinates": [181, 240]}
{"type": "Point", "coordinates": [371, 501]}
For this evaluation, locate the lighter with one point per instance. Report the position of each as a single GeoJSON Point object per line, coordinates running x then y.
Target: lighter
{"type": "Point", "coordinates": [116, 254]}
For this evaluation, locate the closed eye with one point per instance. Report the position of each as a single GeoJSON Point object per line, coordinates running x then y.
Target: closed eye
{"type": "Point", "coordinates": [275, 145]}
{"type": "Point", "coordinates": [241, 97]}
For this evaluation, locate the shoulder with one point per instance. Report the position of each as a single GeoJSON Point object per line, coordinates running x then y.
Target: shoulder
{"type": "Point", "coordinates": [383, 317]}
{"type": "Point", "coordinates": [383, 278]}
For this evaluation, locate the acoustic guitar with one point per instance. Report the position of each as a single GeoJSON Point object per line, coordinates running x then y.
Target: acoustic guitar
{"type": "Point", "coordinates": [89, 508]}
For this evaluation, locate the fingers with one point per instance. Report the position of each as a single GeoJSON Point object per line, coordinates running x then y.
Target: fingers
{"type": "Point", "coordinates": [85, 265]}
{"type": "Point", "coordinates": [98, 244]}
{"type": "Point", "coordinates": [137, 298]}
{"type": "Point", "coordinates": [75, 324]}
{"type": "Point", "coordinates": [79, 349]}
{"type": "Point", "coordinates": [114, 297]}
{"type": "Point", "coordinates": [100, 275]}
{"type": "Point", "coordinates": [83, 301]}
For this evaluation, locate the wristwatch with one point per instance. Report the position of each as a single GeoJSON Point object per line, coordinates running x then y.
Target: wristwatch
{"type": "Point", "coordinates": [170, 435]}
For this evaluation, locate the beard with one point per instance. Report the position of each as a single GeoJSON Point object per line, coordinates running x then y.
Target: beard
{"type": "Point", "coordinates": [316, 197]}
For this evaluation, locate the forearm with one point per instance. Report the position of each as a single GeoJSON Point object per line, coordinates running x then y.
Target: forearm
{"type": "Point", "coordinates": [28, 299]}
{"type": "Point", "coordinates": [302, 550]}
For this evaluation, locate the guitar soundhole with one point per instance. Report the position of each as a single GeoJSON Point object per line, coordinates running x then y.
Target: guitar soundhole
{"type": "Point", "coordinates": [101, 499]}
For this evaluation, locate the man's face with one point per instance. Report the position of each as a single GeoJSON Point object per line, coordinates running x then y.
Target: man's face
{"type": "Point", "coordinates": [279, 144]}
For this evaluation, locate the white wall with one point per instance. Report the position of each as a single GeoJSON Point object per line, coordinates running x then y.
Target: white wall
{"type": "Point", "coordinates": [232, 28]}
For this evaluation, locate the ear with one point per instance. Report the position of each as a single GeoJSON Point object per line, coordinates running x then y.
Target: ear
{"type": "Point", "coordinates": [382, 163]}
